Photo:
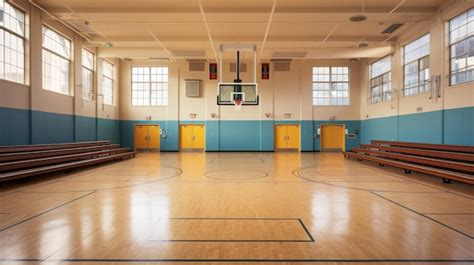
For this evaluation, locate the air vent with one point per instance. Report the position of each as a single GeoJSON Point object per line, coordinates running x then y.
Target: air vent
{"type": "Point", "coordinates": [193, 87]}
{"type": "Point", "coordinates": [158, 59]}
{"type": "Point", "coordinates": [189, 53]}
{"type": "Point", "coordinates": [363, 45]}
{"type": "Point", "coordinates": [288, 55]}
{"type": "Point", "coordinates": [392, 28]}
{"type": "Point", "coordinates": [281, 66]}
{"type": "Point", "coordinates": [243, 67]}
{"type": "Point", "coordinates": [197, 66]}
{"type": "Point", "coordinates": [419, 109]}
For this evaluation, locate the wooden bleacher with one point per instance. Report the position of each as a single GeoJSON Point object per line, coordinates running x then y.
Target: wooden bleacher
{"type": "Point", "coordinates": [24, 161]}
{"type": "Point", "coordinates": [450, 162]}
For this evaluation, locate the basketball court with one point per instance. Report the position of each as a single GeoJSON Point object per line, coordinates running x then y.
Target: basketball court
{"type": "Point", "coordinates": [236, 132]}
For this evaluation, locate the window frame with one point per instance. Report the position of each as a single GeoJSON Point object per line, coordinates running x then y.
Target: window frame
{"type": "Point", "coordinates": [450, 45]}
{"type": "Point", "coordinates": [71, 51]}
{"type": "Point", "coordinates": [330, 82]}
{"type": "Point", "coordinates": [384, 96]}
{"type": "Point", "coordinates": [92, 71]}
{"type": "Point", "coordinates": [112, 80]}
{"type": "Point", "coordinates": [426, 82]}
{"type": "Point", "coordinates": [23, 38]}
{"type": "Point", "coordinates": [149, 82]}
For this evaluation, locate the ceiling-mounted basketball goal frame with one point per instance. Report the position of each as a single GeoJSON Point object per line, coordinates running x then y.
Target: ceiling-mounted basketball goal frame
{"type": "Point", "coordinates": [237, 93]}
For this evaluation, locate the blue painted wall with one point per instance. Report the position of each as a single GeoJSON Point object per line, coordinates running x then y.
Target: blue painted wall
{"type": "Point", "coordinates": [453, 126]}
{"type": "Point", "coordinates": [379, 129]}
{"type": "Point", "coordinates": [459, 126]}
{"type": "Point", "coordinates": [424, 127]}
{"type": "Point", "coordinates": [49, 127]}
{"type": "Point", "coordinates": [108, 129]}
{"type": "Point", "coordinates": [245, 135]}
{"type": "Point", "coordinates": [37, 127]}
{"type": "Point", "coordinates": [85, 129]}
{"type": "Point", "coordinates": [15, 126]}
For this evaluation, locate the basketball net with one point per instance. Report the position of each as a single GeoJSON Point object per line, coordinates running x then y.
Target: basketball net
{"type": "Point", "coordinates": [238, 104]}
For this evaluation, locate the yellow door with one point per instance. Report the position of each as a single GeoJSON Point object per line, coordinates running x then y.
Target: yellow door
{"type": "Point", "coordinates": [154, 137]}
{"type": "Point", "coordinates": [186, 137]}
{"type": "Point", "coordinates": [332, 137]}
{"type": "Point", "coordinates": [141, 137]}
{"type": "Point", "coordinates": [198, 136]}
{"type": "Point", "coordinates": [280, 137]}
{"type": "Point", "coordinates": [293, 137]}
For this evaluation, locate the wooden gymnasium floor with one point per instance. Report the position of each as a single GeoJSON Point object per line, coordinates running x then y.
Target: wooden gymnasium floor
{"type": "Point", "coordinates": [237, 208]}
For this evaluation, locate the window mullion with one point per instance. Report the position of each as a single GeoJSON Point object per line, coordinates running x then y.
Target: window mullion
{"type": "Point", "coordinates": [330, 85]}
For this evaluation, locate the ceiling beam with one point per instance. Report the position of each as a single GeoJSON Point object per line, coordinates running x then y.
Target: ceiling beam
{"type": "Point", "coordinates": [161, 44]}
{"type": "Point", "coordinates": [246, 38]}
{"type": "Point", "coordinates": [315, 10]}
{"type": "Point", "coordinates": [328, 36]}
{"type": "Point", "coordinates": [267, 31]}
{"type": "Point", "coordinates": [203, 15]}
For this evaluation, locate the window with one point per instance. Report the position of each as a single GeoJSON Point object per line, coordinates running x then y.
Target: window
{"type": "Point", "coordinates": [149, 86]}
{"type": "Point", "coordinates": [417, 66]}
{"type": "Point", "coordinates": [461, 40]}
{"type": "Point", "coordinates": [87, 75]}
{"type": "Point", "coordinates": [108, 82]}
{"type": "Point", "coordinates": [56, 61]}
{"type": "Point", "coordinates": [12, 43]}
{"type": "Point", "coordinates": [380, 80]}
{"type": "Point", "coordinates": [330, 86]}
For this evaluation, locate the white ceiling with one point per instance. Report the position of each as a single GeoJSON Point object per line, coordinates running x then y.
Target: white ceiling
{"type": "Point", "coordinates": [320, 28]}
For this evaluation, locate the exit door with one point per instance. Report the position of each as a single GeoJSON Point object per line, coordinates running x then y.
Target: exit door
{"type": "Point", "coordinates": [287, 137]}
{"type": "Point", "coordinates": [192, 137]}
{"type": "Point", "coordinates": [147, 137]}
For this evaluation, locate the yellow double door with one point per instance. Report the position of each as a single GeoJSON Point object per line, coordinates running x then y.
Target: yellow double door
{"type": "Point", "coordinates": [332, 137]}
{"type": "Point", "coordinates": [287, 137]}
{"type": "Point", "coordinates": [147, 137]}
{"type": "Point", "coordinates": [192, 137]}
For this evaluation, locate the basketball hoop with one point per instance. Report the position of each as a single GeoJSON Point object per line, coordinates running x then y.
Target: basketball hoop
{"type": "Point", "coordinates": [238, 104]}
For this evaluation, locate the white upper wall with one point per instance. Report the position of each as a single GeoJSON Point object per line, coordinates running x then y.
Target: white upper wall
{"type": "Point", "coordinates": [31, 95]}
{"type": "Point", "coordinates": [286, 92]}
{"type": "Point", "coordinates": [456, 96]}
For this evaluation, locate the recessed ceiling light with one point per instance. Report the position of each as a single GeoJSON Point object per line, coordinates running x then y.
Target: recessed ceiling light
{"type": "Point", "coordinates": [358, 18]}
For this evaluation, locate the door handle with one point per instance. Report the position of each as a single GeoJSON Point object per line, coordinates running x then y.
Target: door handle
{"type": "Point", "coordinates": [194, 138]}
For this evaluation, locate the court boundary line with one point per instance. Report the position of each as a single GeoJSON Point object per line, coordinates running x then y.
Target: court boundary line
{"type": "Point", "coordinates": [423, 215]}
{"type": "Point", "coordinates": [45, 212]}
{"type": "Point", "coordinates": [298, 220]}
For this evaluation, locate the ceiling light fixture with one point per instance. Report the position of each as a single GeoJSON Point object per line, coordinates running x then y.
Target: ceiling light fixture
{"type": "Point", "coordinates": [363, 45]}
{"type": "Point", "coordinates": [361, 17]}
{"type": "Point", "coordinates": [107, 45]}
{"type": "Point", "coordinates": [358, 18]}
